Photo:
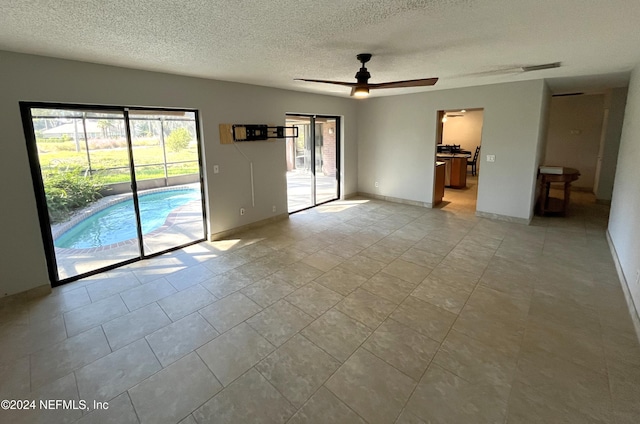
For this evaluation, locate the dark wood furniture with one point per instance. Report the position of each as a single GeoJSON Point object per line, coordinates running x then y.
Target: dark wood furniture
{"type": "Point", "coordinates": [438, 189]}
{"type": "Point", "coordinates": [456, 169]}
{"type": "Point", "coordinates": [551, 205]}
{"type": "Point", "coordinates": [474, 161]}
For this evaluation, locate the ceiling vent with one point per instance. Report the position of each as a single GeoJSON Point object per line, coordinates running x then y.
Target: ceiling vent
{"type": "Point", "coordinates": [568, 94]}
{"type": "Point", "coordinates": [541, 67]}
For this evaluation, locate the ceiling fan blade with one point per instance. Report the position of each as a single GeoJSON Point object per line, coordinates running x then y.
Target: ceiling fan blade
{"type": "Point", "coordinates": [348, 84]}
{"type": "Point", "coordinates": [408, 83]}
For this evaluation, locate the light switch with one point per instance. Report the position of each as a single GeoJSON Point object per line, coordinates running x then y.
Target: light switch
{"type": "Point", "coordinates": [216, 169]}
{"type": "Point", "coordinates": [491, 158]}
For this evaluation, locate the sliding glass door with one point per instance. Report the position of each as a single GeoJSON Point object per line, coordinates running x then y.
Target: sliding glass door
{"type": "Point", "coordinates": [326, 155]}
{"type": "Point", "coordinates": [312, 161]}
{"type": "Point", "coordinates": [167, 172]}
{"type": "Point", "coordinates": [113, 185]}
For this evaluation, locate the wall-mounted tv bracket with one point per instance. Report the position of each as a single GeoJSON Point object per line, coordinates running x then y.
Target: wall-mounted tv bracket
{"type": "Point", "coordinates": [246, 132]}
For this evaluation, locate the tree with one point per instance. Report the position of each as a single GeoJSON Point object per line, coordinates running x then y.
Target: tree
{"type": "Point", "coordinates": [178, 139]}
{"type": "Point", "coordinates": [104, 125]}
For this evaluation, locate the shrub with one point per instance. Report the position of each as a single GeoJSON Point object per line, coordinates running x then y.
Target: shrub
{"type": "Point", "coordinates": [67, 146]}
{"type": "Point", "coordinates": [50, 139]}
{"type": "Point", "coordinates": [178, 139]}
{"type": "Point", "coordinates": [69, 190]}
{"type": "Point", "coordinates": [107, 143]}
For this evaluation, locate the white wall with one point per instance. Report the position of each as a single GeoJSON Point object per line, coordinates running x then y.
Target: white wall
{"type": "Point", "coordinates": [544, 125]}
{"type": "Point", "coordinates": [616, 101]}
{"type": "Point", "coordinates": [33, 78]}
{"type": "Point", "coordinates": [624, 224]}
{"type": "Point", "coordinates": [397, 143]}
{"type": "Point", "coordinates": [464, 130]}
{"type": "Point", "coordinates": [574, 133]}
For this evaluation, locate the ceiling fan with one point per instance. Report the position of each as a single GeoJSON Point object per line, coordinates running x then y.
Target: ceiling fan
{"type": "Point", "coordinates": [361, 87]}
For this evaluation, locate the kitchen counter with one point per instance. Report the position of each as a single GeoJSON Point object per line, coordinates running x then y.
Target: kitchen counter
{"type": "Point", "coordinates": [452, 155]}
{"type": "Point", "coordinates": [455, 169]}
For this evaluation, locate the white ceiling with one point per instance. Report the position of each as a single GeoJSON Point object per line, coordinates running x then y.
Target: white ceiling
{"type": "Point", "coordinates": [271, 42]}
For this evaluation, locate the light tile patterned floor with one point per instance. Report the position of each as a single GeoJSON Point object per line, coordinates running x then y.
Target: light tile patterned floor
{"type": "Point", "coordinates": [357, 311]}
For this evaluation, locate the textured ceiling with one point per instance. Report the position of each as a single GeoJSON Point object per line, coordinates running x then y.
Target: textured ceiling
{"type": "Point", "coordinates": [271, 42]}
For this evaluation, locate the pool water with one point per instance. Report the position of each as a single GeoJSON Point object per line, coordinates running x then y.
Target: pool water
{"type": "Point", "coordinates": [117, 223]}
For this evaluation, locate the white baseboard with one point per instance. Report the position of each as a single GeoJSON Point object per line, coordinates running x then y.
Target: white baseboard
{"type": "Point", "coordinates": [505, 218]}
{"type": "Point", "coordinates": [395, 199]}
{"type": "Point", "coordinates": [32, 293]}
{"type": "Point", "coordinates": [227, 233]}
{"type": "Point", "coordinates": [633, 309]}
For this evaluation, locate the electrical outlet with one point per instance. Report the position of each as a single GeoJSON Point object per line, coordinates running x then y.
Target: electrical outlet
{"type": "Point", "coordinates": [273, 208]}
{"type": "Point", "coordinates": [242, 211]}
{"type": "Point", "coordinates": [491, 158]}
{"type": "Point", "coordinates": [216, 169]}
{"type": "Point", "coordinates": [377, 184]}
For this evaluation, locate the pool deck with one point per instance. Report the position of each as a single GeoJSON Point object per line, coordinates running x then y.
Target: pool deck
{"type": "Point", "coordinates": [299, 189]}
{"type": "Point", "coordinates": [182, 226]}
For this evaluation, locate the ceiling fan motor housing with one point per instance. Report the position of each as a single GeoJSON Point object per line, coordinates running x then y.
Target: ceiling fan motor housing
{"type": "Point", "coordinates": [362, 76]}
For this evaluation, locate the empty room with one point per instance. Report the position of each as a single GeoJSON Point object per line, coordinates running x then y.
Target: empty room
{"type": "Point", "coordinates": [285, 212]}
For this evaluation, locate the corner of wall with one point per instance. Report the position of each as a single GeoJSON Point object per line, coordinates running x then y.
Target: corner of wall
{"type": "Point", "coordinates": [624, 226]}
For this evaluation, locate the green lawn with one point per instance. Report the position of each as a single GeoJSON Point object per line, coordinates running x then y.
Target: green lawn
{"type": "Point", "coordinates": [103, 159]}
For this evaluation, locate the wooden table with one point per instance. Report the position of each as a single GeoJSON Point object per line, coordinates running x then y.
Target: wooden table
{"type": "Point", "coordinates": [552, 205]}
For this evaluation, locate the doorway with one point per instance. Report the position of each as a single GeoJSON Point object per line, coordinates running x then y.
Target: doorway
{"type": "Point", "coordinates": [312, 161]}
{"type": "Point", "coordinates": [113, 184]}
{"type": "Point", "coordinates": [458, 148]}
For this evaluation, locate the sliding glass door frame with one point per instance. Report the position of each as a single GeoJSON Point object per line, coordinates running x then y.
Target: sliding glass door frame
{"type": "Point", "coordinates": [312, 127]}
{"type": "Point", "coordinates": [40, 195]}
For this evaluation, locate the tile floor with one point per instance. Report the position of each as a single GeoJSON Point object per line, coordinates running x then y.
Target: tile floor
{"type": "Point", "coordinates": [358, 311]}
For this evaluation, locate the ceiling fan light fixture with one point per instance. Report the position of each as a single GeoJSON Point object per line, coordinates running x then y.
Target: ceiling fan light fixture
{"type": "Point", "coordinates": [361, 92]}
{"type": "Point", "coordinates": [361, 87]}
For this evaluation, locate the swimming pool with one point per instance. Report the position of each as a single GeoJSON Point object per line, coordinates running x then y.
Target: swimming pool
{"type": "Point", "coordinates": [117, 222]}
